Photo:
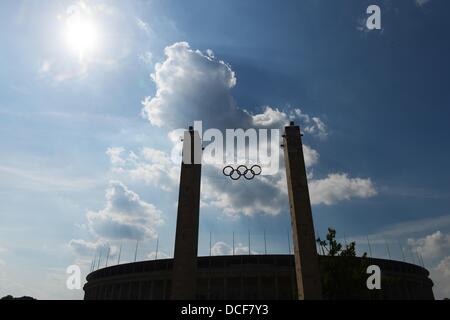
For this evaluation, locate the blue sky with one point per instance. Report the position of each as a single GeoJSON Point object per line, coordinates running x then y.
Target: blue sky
{"type": "Point", "coordinates": [78, 153]}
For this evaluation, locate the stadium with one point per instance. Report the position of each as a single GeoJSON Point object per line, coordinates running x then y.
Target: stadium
{"type": "Point", "coordinates": [243, 277]}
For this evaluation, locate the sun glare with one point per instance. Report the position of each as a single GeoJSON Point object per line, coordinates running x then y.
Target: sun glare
{"type": "Point", "coordinates": [82, 36]}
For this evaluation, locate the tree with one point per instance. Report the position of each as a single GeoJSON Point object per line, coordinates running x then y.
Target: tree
{"type": "Point", "coordinates": [343, 276]}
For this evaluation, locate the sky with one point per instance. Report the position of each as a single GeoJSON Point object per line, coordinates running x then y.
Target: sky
{"type": "Point", "coordinates": [92, 91]}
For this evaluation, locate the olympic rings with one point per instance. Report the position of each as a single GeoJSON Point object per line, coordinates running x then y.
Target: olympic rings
{"type": "Point", "coordinates": [236, 174]}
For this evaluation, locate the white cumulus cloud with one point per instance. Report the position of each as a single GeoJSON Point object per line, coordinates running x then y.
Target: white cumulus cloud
{"type": "Point", "coordinates": [190, 86]}
{"type": "Point", "coordinates": [125, 216]}
{"type": "Point", "coordinates": [432, 245]}
{"type": "Point", "coordinates": [337, 187]}
{"type": "Point", "coordinates": [441, 277]}
{"type": "Point", "coordinates": [272, 117]}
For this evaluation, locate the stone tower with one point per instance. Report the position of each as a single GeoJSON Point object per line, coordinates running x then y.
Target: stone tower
{"type": "Point", "coordinates": [306, 259]}
{"type": "Point", "coordinates": [186, 238]}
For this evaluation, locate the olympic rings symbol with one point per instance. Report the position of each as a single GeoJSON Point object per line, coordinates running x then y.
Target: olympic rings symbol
{"type": "Point", "coordinates": [236, 174]}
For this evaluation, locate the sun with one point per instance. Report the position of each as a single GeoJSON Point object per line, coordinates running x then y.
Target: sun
{"type": "Point", "coordinates": [81, 35]}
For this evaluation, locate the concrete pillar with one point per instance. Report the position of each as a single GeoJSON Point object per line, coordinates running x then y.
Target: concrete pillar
{"type": "Point", "coordinates": [184, 276]}
{"type": "Point", "coordinates": [306, 259]}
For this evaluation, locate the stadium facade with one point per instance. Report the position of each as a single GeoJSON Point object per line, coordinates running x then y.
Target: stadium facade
{"type": "Point", "coordinates": [244, 277]}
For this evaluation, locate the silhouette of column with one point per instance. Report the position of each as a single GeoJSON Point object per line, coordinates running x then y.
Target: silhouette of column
{"type": "Point", "coordinates": [306, 259]}
{"type": "Point", "coordinates": [186, 238]}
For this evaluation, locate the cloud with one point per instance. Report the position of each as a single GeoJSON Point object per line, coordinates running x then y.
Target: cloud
{"type": "Point", "coordinates": [421, 3]}
{"type": "Point", "coordinates": [271, 117]}
{"type": "Point", "coordinates": [274, 118]}
{"type": "Point", "coordinates": [83, 247]}
{"type": "Point", "coordinates": [161, 255]}
{"type": "Point", "coordinates": [441, 278]}
{"type": "Point", "coordinates": [89, 249]}
{"type": "Point", "coordinates": [125, 216]}
{"type": "Point", "coordinates": [146, 58]}
{"type": "Point", "coordinates": [115, 155]}
{"type": "Point", "coordinates": [144, 26]}
{"type": "Point", "coordinates": [311, 156]}
{"type": "Point", "coordinates": [337, 187]}
{"type": "Point", "coordinates": [233, 198]}
{"type": "Point", "coordinates": [221, 248]}
{"type": "Point", "coordinates": [413, 227]}
{"type": "Point", "coordinates": [151, 166]}
{"type": "Point", "coordinates": [435, 249]}
{"type": "Point", "coordinates": [192, 85]}
{"type": "Point", "coordinates": [155, 168]}
{"type": "Point", "coordinates": [433, 245]}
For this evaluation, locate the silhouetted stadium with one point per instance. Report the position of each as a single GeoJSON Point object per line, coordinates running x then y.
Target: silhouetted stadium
{"type": "Point", "coordinates": [243, 277]}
